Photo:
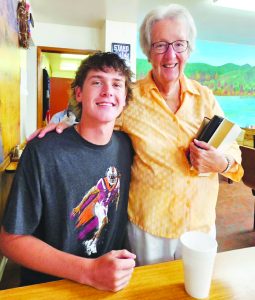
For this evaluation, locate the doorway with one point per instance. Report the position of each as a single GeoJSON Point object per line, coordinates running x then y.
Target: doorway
{"type": "Point", "coordinates": [42, 94]}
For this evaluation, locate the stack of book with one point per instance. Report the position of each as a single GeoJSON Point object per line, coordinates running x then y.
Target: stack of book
{"type": "Point", "coordinates": [218, 132]}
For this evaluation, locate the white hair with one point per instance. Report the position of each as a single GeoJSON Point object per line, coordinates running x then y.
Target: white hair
{"type": "Point", "coordinates": [172, 11]}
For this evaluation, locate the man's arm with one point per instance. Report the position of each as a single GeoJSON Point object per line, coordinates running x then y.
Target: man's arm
{"type": "Point", "coordinates": [111, 271]}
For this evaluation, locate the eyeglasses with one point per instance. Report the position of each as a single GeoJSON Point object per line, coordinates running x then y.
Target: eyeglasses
{"type": "Point", "coordinates": [178, 46]}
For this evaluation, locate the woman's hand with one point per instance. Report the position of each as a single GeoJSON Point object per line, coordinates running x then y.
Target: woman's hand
{"type": "Point", "coordinates": [40, 133]}
{"type": "Point", "coordinates": [205, 158]}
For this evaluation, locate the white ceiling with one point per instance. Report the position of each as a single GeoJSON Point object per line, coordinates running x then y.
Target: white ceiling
{"type": "Point", "coordinates": [213, 23]}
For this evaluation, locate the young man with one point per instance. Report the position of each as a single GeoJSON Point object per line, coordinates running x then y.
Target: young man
{"type": "Point", "coordinates": [68, 204]}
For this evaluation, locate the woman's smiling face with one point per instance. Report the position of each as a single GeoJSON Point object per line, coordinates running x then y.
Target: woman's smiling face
{"type": "Point", "coordinates": [167, 67]}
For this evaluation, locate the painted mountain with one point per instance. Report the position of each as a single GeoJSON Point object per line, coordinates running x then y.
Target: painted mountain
{"type": "Point", "coordinates": [225, 80]}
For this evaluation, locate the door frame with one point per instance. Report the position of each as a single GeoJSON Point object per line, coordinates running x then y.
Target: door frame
{"type": "Point", "coordinates": [40, 50]}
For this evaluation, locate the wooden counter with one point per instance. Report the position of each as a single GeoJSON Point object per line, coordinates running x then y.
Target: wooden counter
{"type": "Point", "coordinates": [233, 279]}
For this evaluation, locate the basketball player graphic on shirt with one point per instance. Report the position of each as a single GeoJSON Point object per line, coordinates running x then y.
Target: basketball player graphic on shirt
{"type": "Point", "coordinates": [91, 213]}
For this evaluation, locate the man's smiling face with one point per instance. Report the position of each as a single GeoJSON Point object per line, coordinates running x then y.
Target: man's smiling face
{"type": "Point", "coordinates": [103, 95]}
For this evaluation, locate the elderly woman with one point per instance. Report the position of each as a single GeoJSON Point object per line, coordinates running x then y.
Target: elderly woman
{"type": "Point", "coordinates": [166, 196]}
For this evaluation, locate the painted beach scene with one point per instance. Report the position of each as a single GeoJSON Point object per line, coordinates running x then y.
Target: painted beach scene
{"type": "Point", "coordinates": [228, 70]}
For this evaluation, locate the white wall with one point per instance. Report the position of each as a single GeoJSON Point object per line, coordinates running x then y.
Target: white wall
{"type": "Point", "coordinates": [63, 36]}
{"type": "Point", "coordinates": [31, 102]}
{"type": "Point", "coordinates": [122, 32]}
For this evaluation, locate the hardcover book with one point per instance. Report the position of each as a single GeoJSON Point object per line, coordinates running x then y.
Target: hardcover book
{"type": "Point", "coordinates": [219, 132]}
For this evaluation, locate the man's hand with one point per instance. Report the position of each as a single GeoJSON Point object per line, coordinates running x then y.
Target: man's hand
{"type": "Point", "coordinates": [112, 271]}
{"type": "Point", "coordinates": [59, 128]}
{"type": "Point", "coordinates": [205, 158]}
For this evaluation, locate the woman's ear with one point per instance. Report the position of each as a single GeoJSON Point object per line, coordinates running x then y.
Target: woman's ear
{"type": "Point", "coordinates": [78, 94]}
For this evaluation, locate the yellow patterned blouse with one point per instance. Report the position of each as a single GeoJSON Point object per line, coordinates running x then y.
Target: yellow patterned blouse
{"type": "Point", "coordinates": [166, 198]}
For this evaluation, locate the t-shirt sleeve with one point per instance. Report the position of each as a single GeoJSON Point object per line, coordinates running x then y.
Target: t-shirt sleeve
{"type": "Point", "coordinates": [24, 205]}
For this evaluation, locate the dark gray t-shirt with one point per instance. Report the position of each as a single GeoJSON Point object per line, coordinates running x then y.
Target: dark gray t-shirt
{"type": "Point", "coordinates": [71, 194]}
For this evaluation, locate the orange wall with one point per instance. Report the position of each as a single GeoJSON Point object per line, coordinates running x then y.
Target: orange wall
{"type": "Point", "coordinates": [59, 94]}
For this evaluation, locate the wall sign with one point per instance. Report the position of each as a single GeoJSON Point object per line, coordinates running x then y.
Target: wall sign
{"type": "Point", "coordinates": [123, 50]}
